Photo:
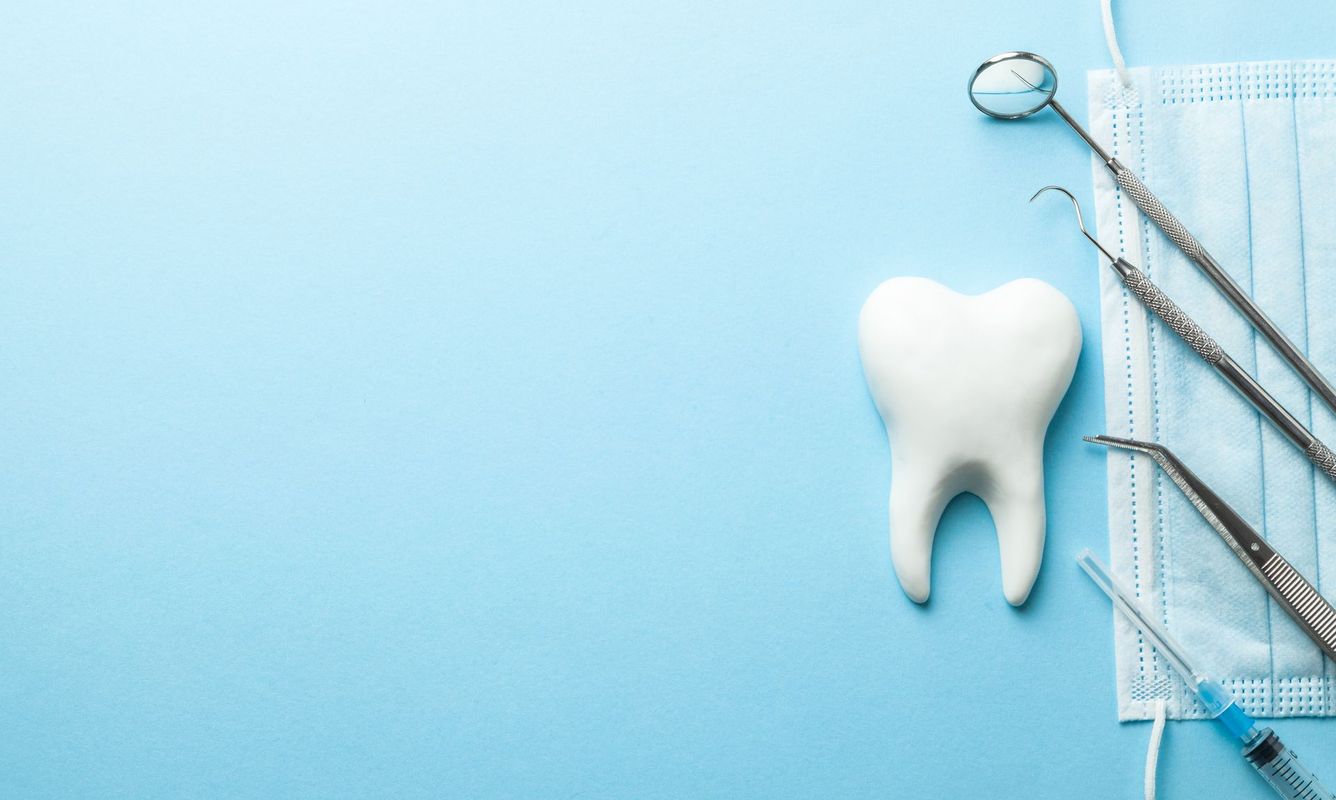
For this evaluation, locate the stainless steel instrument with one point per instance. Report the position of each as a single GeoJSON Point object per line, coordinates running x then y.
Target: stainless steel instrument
{"type": "Point", "coordinates": [1180, 323]}
{"type": "Point", "coordinates": [1291, 590]}
{"type": "Point", "coordinates": [1017, 84]}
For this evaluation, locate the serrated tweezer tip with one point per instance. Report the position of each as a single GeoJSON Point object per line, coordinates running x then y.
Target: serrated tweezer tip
{"type": "Point", "coordinates": [1124, 444]}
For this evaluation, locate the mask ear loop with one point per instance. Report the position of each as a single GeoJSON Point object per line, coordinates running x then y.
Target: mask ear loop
{"type": "Point", "coordinates": [1111, 39]}
{"type": "Point", "coordinates": [1153, 747]}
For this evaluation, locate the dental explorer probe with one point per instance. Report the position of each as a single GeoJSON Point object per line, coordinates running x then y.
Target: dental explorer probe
{"type": "Point", "coordinates": [1278, 765]}
{"type": "Point", "coordinates": [1001, 90]}
{"type": "Point", "coordinates": [1290, 589]}
{"type": "Point", "coordinates": [1180, 323]}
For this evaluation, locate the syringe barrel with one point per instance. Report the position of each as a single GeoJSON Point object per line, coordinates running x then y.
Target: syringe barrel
{"type": "Point", "coordinates": [1281, 768]}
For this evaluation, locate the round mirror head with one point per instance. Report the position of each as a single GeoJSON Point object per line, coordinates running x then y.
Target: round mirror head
{"type": "Point", "coordinates": [1013, 85]}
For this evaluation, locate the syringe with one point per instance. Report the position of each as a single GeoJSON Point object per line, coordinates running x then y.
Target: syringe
{"type": "Point", "coordinates": [1275, 762]}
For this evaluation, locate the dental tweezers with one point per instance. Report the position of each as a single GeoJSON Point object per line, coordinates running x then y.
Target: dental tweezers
{"type": "Point", "coordinates": [1291, 590]}
{"type": "Point", "coordinates": [1152, 297]}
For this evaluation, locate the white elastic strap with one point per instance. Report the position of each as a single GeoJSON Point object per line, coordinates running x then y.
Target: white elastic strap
{"type": "Point", "coordinates": [1111, 39]}
{"type": "Point", "coordinates": [1153, 749]}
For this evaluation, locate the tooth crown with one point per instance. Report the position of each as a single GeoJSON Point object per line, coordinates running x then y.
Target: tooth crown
{"type": "Point", "coordinates": [967, 386]}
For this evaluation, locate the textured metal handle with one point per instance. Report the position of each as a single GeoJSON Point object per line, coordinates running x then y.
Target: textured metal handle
{"type": "Point", "coordinates": [1302, 602]}
{"type": "Point", "coordinates": [1153, 208]}
{"type": "Point", "coordinates": [1157, 301]}
{"type": "Point", "coordinates": [1322, 456]}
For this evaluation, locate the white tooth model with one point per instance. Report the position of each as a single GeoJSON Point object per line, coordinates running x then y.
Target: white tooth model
{"type": "Point", "coordinates": [966, 386]}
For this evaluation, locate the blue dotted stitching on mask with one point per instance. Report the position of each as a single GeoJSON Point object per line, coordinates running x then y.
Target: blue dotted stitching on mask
{"type": "Point", "coordinates": [1299, 696]}
{"type": "Point", "coordinates": [1263, 80]}
{"type": "Point", "coordinates": [1157, 528]}
{"type": "Point", "coordinates": [1127, 360]}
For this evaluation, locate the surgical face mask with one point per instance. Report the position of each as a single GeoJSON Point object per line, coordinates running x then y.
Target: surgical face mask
{"type": "Point", "coordinates": [1245, 156]}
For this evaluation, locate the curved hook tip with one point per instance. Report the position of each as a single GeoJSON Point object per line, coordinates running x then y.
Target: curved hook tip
{"type": "Point", "coordinates": [1080, 222]}
{"type": "Point", "coordinates": [1055, 188]}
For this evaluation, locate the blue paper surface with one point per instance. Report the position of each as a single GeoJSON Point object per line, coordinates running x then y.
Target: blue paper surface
{"type": "Point", "coordinates": [438, 400]}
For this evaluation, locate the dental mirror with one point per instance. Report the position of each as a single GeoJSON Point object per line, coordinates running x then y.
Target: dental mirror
{"type": "Point", "coordinates": [1017, 84]}
{"type": "Point", "coordinates": [1013, 85]}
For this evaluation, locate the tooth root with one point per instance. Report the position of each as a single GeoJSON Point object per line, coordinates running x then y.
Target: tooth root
{"type": "Point", "coordinates": [966, 387]}
{"type": "Point", "coordinates": [1015, 498]}
{"type": "Point", "coordinates": [915, 510]}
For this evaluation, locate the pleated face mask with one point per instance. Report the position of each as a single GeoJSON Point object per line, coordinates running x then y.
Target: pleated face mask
{"type": "Point", "coordinates": [1245, 155]}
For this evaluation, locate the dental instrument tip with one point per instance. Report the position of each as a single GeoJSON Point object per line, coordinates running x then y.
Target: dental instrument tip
{"type": "Point", "coordinates": [1080, 222]}
{"type": "Point", "coordinates": [1060, 189]}
{"type": "Point", "coordinates": [1123, 444]}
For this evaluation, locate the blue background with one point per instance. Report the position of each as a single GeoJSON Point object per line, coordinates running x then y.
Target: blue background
{"type": "Point", "coordinates": [414, 400]}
